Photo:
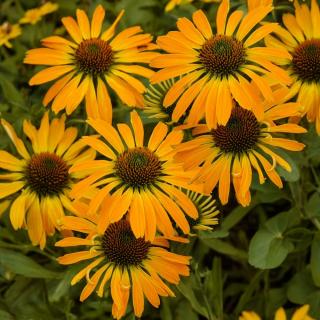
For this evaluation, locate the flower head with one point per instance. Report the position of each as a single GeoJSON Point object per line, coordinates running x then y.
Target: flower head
{"type": "Point", "coordinates": [300, 314]}
{"type": "Point", "coordinates": [229, 152]}
{"type": "Point", "coordinates": [131, 265]}
{"type": "Point", "coordinates": [302, 39]}
{"type": "Point", "coordinates": [38, 183]}
{"type": "Point", "coordinates": [207, 209]}
{"type": "Point", "coordinates": [173, 3]}
{"type": "Point", "coordinates": [154, 101]}
{"type": "Point", "coordinates": [92, 62]}
{"type": "Point", "coordinates": [33, 16]}
{"type": "Point", "coordinates": [253, 4]}
{"type": "Point", "coordinates": [217, 67]}
{"type": "Point", "coordinates": [141, 177]}
{"type": "Point", "coordinates": [7, 32]}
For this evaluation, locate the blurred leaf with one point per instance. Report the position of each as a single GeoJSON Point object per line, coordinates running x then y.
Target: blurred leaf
{"type": "Point", "coordinates": [225, 248]}
{"type": "Point", "coordinates": [315, 259]}
{"type": "Point", "coordinates": [301, 290]}
{"type": "Point", "coordinates": [236, 215]}
{"type": "Point", "coordinates": [20, 264]}
{"type": "Point", "coordinates": [269, 247]}
{"type": "Point", "coordinates": [185, 287]}
{"type": "Point", "coordinates": [185, 312]}
{"type": "Point", "coordinates": [10, 92]}
{"type": "Point", "coordinates": [213, 285]}
{"type": "Point", "coordinates": [4, 315]}
{"type": "Point", "coordinates": [249, 291]}
{"type": "Point", "coordinates": [294, 174]}
{"type": "Point", "coordinates": [312, 207]}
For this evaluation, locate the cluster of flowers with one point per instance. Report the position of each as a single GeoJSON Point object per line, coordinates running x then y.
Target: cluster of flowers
{"type": "Point", "coordinates": [131, 200]}
{"type": "Point", "coordinates": [10, 31]}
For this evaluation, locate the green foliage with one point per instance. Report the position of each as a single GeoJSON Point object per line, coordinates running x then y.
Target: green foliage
{"type": "Point", "coordinates": [260, 257]}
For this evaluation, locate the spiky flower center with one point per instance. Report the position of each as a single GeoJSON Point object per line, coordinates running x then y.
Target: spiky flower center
{"type": "Point", "coordinates": [306, 61]}
{"type": "Point", "coordinates": [94, 56]}
{"type": "Point", "coordinates": [122, 247]}
{"type": "Point", "coordinates": [47, 174]}
{"type": "Point", "coordinates": [138, 167]}
{"type": "Point", "coordinates": [240, 134]}
{"type": "Point", "coordinates": [222, 55]}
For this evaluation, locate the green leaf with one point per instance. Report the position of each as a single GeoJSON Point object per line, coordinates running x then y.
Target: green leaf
{"type": "Point", "coordinates": [294, 174]}
{"type": "Point", "coordinates": [18, 263]}
{"type": "Point", "coordinates": [301, 290]}
{"type": "Point", "coordinates": [225, 248]}
{"type": "Point", "coordinates": [213, 286]}
{"type": "Point", "coordinates": [236, 215]}
{"type": "Point", "coordinates": [10, 92]}
{"type": "Point", "coordinates": [185, 287]}
{"type": "Point", "coordinates": [185, 312]}
{"type": "Point", "coordinates": [269, 247]}
{"type": "Point", "coordinates": [315, 259]}
{"type": "Point", "coordinates": [313, 206]}
{"type": "Point", "coordinates": [4, 315]}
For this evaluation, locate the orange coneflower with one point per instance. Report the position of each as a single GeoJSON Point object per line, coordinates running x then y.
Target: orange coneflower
{"type": "Point", "coordinates": [38, 184]}
{"type": "Point", "coordinates": [229, 152]}
{"type": "Point", "coordinates": [302, 39]}
{"type": "Point", "coordinates": [131, 265]}
{"type": "Point", "coordinates": [207, 210]}
{"type": "Point", "coordinates": [217, 67]}
{"type": "Point", "coordinates": [90, 63]}
{"type": "Point", "coordinates": [253, 4]}
{"type": "Point", "coordinates": [33, 16]}
{"type": "Point", "coordinates": [154, 101]}
{"type": "Point", "coordinates": [8, 32]}
{"type": "Point", "coordinates": [300, 314]}
{"type": "Point", "coordinates": [138, 177]}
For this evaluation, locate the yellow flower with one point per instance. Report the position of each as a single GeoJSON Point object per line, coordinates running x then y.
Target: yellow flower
{"type": "Point", "coordinates": [207, 209]}
{"type": "Point", "coordinates": [229, 152]}
{"type": "Point", "coordinates": [299, 314]}
{"type": "Point", "coordinates": [154, 101]}
{"type": "Point", "coordinates": [138, 177]}
{"type": "Point", "coordinates": [302, 39]}
{"type": "Point", "coordinates": [131, 265]}
{"type": "Point", "coordinates": [39, 182]}
{"type": "Point", "coordinates": [173, 3]}
{"type": "Point", "coordinates": [7, 32]}
{"type": "Point", "coordinates": [90, 63]}
{"type": "Point", "coordinates": [253, 4]}
{"type": "Point", "coordinates": [215, 68]}
{"type": "Point", "coordinates": [33, 16]}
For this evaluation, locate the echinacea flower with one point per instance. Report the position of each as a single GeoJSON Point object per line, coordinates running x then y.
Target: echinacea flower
{"type": "Point", "coordinates": [215, 68]}
{"type": "Point", "coordinates": [154, 101]}
{"type": "Point", "coordinates": [253, 4]}
{"type": "Point", "coordinates": [139, 178]}
{"type": "Point", "coordinates": [207, 210]}
{"type": "Point", "coordinates": [299, 314]}
{"type": "Point", "coordinates": [92, 62]}
{"type": "Point", "coordinates": [173, 3]}
{"type": "Point", "coordinates": [7, 32]}
{"type": "Point", "coordinates": [33, 16]}
{"type": "Point", "coordinates": [229, 152]}
{"type": "Point", "coordinates": [302, 39]}
{"type": "Point", "coordinates": [132, 266]}
{"type": "Point", "coordinates": [39, 182]}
